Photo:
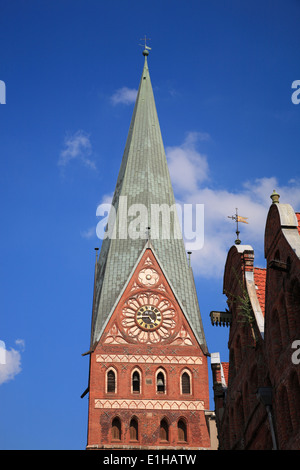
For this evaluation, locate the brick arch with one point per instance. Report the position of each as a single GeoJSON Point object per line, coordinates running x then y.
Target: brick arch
{"type": "Point", "coordinates": [164, 429]}
{"type": "Point", "coordinates": [134, 428]}
{"type": "Point", "coordinates": [116, 428]}
{"type": "Point", "coordinates": [182, 429]}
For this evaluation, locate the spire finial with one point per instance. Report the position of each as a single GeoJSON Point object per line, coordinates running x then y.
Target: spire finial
{"type": "Point", "coordinates": [189, 253]}
{"type": "Point", "coordinates": [238, 219]}
{"type": "Point", "coordinates": [146, 48]}
{"type": "Point", "coordinates": [275, 197]}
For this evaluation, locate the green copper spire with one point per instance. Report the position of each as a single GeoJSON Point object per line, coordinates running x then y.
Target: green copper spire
{"type": "Point", "coordinates": [143, 179]}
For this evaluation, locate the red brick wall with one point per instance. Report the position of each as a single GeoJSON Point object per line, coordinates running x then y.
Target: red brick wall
{"type": "Point", "coordinates": [169, 356]}
{"type": "Point", "coordinates": [282, 327]}
{"type": "Point", "coordinates": [265, 361]}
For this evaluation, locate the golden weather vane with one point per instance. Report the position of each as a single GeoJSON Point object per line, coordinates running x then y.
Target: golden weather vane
{"type": "Point", "coordinates": [238, 218]}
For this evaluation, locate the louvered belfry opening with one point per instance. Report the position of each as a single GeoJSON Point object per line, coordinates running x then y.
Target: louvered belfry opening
{"type": "Point", "coordinates": [185, 383]}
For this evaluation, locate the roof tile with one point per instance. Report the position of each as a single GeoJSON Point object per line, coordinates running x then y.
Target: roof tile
{"type": "Point", "coordinates": [260, 283]}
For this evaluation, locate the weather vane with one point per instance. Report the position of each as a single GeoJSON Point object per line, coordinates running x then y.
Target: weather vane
{"type": "Point", "coordinates": [145, 39]}
{"type": "Point", "coordinates": [238, 218]}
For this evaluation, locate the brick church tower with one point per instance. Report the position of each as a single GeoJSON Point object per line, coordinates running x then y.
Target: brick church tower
{"type": "Point", "coordinates": [148, 380]}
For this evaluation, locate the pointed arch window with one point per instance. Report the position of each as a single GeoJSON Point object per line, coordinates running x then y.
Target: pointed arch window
{"type": "Point", "coordinates": [111, 381]}
{"type": "Point", "coordinates": [182, 431]}
{"type": "Point", "coordinates": [134, 430]}
{"type": "Point", "coordinates": [164, 430]}
{"type": "Point", "coordinates": [116, 429]}
{"type": "Point", "coordinates": [160, 383]}
{"type": "Point", "coordinates": [136, 382]}
{"type": "Point", "coordinates": [185, 383]}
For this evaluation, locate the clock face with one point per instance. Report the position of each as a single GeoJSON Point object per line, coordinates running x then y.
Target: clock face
{"type": "Point", "coordinates": [148, 317]}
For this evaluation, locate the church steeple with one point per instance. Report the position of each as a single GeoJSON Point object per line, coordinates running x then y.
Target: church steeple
{"type": "Point", "coordinates": [148, 383]}
{"type": "Point", "coordinates": [144, 179]}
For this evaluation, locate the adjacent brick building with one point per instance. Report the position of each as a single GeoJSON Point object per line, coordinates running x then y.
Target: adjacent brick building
{"type": "Point", "coordinates": [257, 394]}
{"type": "Point", "coordinates": [148, 381]}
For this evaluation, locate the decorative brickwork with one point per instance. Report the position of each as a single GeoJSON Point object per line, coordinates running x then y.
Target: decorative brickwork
{"type": "Point", "coordinates": [258, 402]}
{"type": "Point", "coordinates": [145, 376]}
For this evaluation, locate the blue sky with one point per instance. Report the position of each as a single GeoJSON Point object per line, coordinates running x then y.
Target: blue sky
{"type": "Point", "coordinates": [222, 74]}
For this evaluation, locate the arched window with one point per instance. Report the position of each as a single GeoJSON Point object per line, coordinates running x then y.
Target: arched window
{"type": "Point", "coordinates": [293, 308]}
{"type": "Point", "coordinates": [111, 381]}
{"type": "Point", "coordinates": [239, 418]}
{"type": "Point", "coordinates": [116, 429]}
{"type": "Point", "coordinates": [182, 432]}
{"type": "Point", "coordinates": [185, 383]}
{"type": "Point", "coordinates": [164, 430]}
{"type": "Point", "coordinates": [160, 383]}
{"type": "Point", "coordinates": [295, 402]}
{"type": "Point", "coordinates": [238, 352]}
{"type": "Point", "coordinates": [136, 385]}
{"type": "Point", "coordinates": [134, 430]}
{"type": "Point", "coordinates": [275, 335]}
{"type": "Point", "coordinates": [285, 419]}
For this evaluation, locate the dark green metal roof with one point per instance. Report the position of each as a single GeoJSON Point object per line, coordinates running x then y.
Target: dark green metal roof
{"type": "Point", "coordinates": [144, 179]}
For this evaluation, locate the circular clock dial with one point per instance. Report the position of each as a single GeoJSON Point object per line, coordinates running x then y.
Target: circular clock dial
{"type": "Point", "coordinates": [149, 317]}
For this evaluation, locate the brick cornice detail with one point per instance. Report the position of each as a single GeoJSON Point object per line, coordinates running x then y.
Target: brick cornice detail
{"type": "Point", "coordinates": [150, 404]}
{"type": "Point", "coordinates": [146, 359]}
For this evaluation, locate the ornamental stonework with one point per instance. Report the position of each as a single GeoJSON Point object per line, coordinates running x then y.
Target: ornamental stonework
{"type": "Point", "coordinates": [148, 318]}
{"type": "Point", "coordinates": [148, 359]}
{"type": "Point", "coordinates": [150, 404]}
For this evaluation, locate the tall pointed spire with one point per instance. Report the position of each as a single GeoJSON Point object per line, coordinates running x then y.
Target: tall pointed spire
{"type": "Point", "coordinates": [143, 179]}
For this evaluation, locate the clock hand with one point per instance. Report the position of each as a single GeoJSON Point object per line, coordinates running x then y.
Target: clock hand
{"type": "Point", "coordinates": [148, 316]}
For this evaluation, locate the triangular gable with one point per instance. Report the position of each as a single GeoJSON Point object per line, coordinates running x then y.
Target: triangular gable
{"type": "Point", "coordinates": [148, 285]}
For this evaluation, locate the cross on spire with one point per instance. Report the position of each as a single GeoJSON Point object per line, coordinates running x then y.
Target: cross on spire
{"type": "Point", "coordinates": [146, 48]}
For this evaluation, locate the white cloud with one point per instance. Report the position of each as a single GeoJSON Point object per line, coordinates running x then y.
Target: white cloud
{"type": "Point", "coordinates": [107, 198]}
{"type": "Point", "coordinates": [77, 147]}
{"type": "Point", "coordinates": [188, 168]}
{"type": "Point", "coordinates": [21, 344]}
{"type": "Point", "coordinates": [10, 363]}
{"type": "Point", "coordinates": [89, 233]}
{"type": "Point", "coordinates": [189, 171]}
{"type": "Point", "coordinates": [124, 95]}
